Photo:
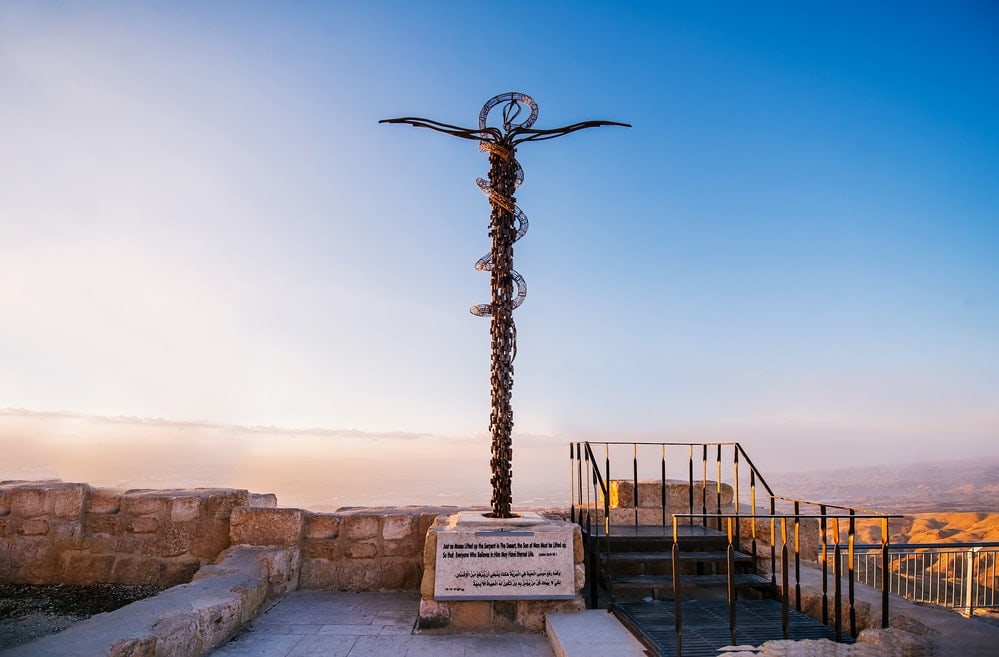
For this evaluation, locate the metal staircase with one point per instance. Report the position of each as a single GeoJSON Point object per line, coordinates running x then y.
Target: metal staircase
{"type": "Point", "coordinates": [675, 556]}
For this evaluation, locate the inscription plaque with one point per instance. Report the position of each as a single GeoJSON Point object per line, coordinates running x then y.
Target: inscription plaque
{"type": "Point", "coordinates": [505, 564]}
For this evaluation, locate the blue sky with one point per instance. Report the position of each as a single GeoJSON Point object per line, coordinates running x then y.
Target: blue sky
{"type": "Point", "coordinates": [797, 244]}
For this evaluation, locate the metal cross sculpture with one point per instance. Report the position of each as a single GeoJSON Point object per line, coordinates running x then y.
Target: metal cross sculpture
{"type": "Point", "coordinates": [507, 224]}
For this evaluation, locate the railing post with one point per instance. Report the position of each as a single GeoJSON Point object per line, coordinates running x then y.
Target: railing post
{"type": "Point", "coordinates": [851, 539]}
{"type": "Point", "coordinates": [773, 544]}
{"type": "Point", "coordinates": [634, 479]}
{"type": "Point", "coordinates": [752, 503]}
{"type": "Point", "coordinates": [884, 572]}
{"type": "Point", "coordinates": [662, 481]}
{"type": "Point", "coordinates": [704, 485]}
{"type": "Point", "coordinates": [785, 619]}
{"type": "Point", "coordinates": [837, 583]}
{"type": "Point", "coordinates": [607, 478]}
{"type": "Point", "coordinates": [585, 464]}
{"type": "Point", "coordinates": [593, 565]}
{"type": "Point", "coordinates": [690, 484]}
{"type": "Point", "coordinates": [730, 562]}
{"type": "Point", "coordinates": [572, 483]}
{"type": "Point", "coordinates": [677, 606]}
{"type": "Point", "coordinates": [824, 531]}
{"type": "Point", "coordinates": [797, 556]}
{"type": "Point", "coordinates": [735, 495]}
{"type": "Point", "coordinates": [969, 580]}
{"type": "Point", "coordinates": [718, 485]}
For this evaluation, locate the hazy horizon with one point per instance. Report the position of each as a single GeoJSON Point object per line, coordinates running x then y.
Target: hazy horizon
{"type": "Point", "coordinates": [323, 469]}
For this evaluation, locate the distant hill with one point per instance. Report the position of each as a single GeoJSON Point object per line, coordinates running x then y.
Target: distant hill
{"type": "Point", "coordinates": [966, 485]}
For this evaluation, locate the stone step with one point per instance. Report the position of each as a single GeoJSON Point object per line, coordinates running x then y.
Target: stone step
{"type": "Point", "coordinates": [589, 633]}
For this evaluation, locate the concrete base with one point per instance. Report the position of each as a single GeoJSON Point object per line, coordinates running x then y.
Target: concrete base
{"type": "Point", "coordinates": [496, 615]}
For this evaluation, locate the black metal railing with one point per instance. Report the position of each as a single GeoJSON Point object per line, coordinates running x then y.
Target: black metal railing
{"type": "Point", "coordinates": [738, 502]}
{"type": "Point", "coordinates": [957, 575]}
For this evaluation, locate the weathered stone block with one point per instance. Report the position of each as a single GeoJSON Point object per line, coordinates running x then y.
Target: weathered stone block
{"type": "Point", "coordinates": [144, 525]}
{"type": "Point", "coordinates": [84, 568]}
{"type": "Point", "coordinates": [361, 526]}
{"type": "Point", "coordinates": [263, 500]}
{"type": "Point", "coordinates": [34, 527]}
{"type": "Point", "coordinates": [405, 548]}
{"type": "Point", "coordinates": [319, 574]}
{"type": "Point", "coordinates": [179, 570]}
{"type": "Point", "coordinates": [183, 509]}
{"type": "Point", "coordinates": [399, 575]}
{"type": "Point", "coordinates": [433, 615]}
{"type": "Point", "coordinates": [650, 495]}
{"type": "Point", "coordinates": [4, 500]}
{"type": "Point", "coordinates": [427, 520]}
{"type": "Point", "coordinates": [219, 502]}
{"type": "Point", "coordinates": [471, 614]}
{"type": "Point", "coordinates": [218, 617]}
{"type": "Point", "coordinates": [429, 580]}
{"type": "Point", "coordinates": [896, 642]}
{"type": "Point", "coordinates": [6, 526]}
{"type": "Point", "coordinates": [102, 500]}
{"type": "Point", "coordinates": [531, 613]}
{"type": "Point", "coordinates": [359, 575]}
{"type": "Point", "coordinates": [322, 525]}
{"type": "Point", "coordinates": [249, 526]}
{"type": "Point", "coordinates": [282, 566]}
{"type": "Point", "coordinates": [67, 500]}
{"type": "Point", "coordinates": [101, 524]}
{"type": "Point", "coordinates": [645, 516]}
{"type": "Point", "coordinates": [504, 614]}
{"type": "Point", "coordinates": [208, 539]}
{"type": "Point", "coordinates": [430, 544]}
{"type": "Point", "coordinates": [144, 647]}
{"type": "Point", "coordinates": [320, 549]}
{"type": "Point", "coordinates": [362, 550]}
{"type": "Point", "coordinates": [27, 502]}
{"type": "Point", "coordinates": [144, 503]}
{"type": "Point", "coordinates": [136, 570]}
{"type": "Point", "coordinates": [177, 634]}
{"type": "Point", "coordinates": [395, 527]}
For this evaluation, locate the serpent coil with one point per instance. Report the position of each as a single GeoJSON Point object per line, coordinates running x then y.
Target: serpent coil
{"type": "Point", "coordinates": [498, 199]}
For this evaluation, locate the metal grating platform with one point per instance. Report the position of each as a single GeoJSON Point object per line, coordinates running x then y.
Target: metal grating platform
{"type": "Point", "coordinates": [706, 629]}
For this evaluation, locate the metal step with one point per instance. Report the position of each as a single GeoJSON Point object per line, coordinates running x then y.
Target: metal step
{"type": "Point", "coordinates": [661, 557]}
{"type": "Point", "coordinates": [742, 580]}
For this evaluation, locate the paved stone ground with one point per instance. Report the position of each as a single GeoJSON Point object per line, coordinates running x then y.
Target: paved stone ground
{"type": "Point", "coordinates": [338, 624]}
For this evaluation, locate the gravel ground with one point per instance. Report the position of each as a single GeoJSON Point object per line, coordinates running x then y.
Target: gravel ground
{"type": "Point", "coordinates": [29, 611]}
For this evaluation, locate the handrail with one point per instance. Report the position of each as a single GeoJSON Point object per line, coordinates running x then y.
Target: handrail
{"type": "Point", "coordinates": [959, 575]}
{"type": "Point", "coordinates": [956, 545]}
{"type": "Point", "coordinates": [852, 517]}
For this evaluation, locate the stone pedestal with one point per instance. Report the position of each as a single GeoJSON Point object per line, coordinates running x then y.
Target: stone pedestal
{"type": "Point", "coordinates": [499, 574]}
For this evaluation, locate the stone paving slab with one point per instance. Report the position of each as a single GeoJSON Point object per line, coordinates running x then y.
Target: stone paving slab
{"type": "Point", "coordinates": [341, 624]}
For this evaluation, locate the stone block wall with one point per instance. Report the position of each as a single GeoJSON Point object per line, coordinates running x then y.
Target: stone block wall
{"type": "Point", "coordinates": [350, 550]}
{"type": "Point", "coordinates": [54, 532]}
